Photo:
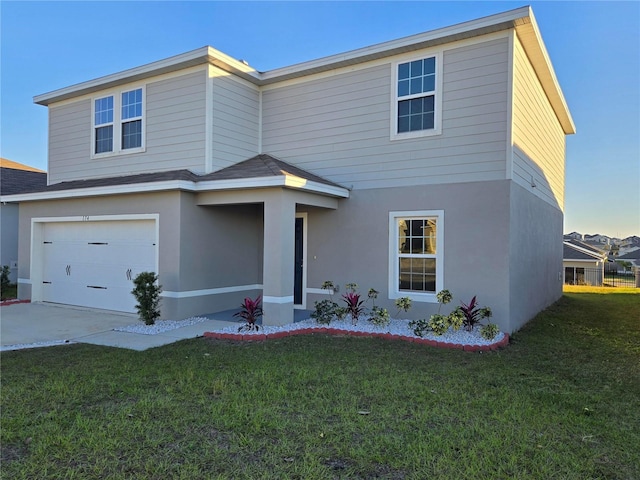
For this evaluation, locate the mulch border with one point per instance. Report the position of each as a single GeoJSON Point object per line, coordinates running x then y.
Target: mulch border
{"type": "Point", "coordinates": [239, 337]}
{"type": "Point", "coordinates": [14, 301]}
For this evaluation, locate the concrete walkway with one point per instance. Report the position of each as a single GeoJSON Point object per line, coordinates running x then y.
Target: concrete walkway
{"type": "Point", "coordinates": [35, 323]}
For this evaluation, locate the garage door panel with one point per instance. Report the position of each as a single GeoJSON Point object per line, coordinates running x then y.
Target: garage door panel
{"type": "Point", "coordinates": [93, 264]}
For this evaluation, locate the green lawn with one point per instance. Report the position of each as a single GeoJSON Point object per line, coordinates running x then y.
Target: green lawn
{"type": "Point", "coordinates": [561, 402]}
{"type": "Point", "coordinates": [9, 293]}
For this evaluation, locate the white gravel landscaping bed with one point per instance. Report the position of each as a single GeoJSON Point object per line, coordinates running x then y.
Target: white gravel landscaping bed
{"type": "Point", "coordinates": [160, 326]}
{"type": "Point", "coordinates": [395, 327]}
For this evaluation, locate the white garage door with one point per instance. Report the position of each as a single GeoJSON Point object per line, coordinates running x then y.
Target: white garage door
{"type": "Point", "coordinates": [93, 264]}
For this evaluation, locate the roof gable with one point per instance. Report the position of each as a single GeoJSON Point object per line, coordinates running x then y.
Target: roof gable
{"type": "Point", "coordinates": [264, 165]}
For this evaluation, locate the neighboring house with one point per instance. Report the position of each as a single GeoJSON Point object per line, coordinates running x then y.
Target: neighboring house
{"type": "Point", "coordinates": [632, 241]}
{"type": "Point", "coordinates": [573, 235]}
{"type": "Point", "coordinates": [632, 257]}
{"type": "Point", "coordinates": [15, 178]}
{"type": "Point", "coordinates": [429, 162]}
{"type": "Point", "coordinates": [626, 250]}
{"type": "Point", "coordinates": [597, 238]}
{"type": "Point", "coordinates": [583, 264]}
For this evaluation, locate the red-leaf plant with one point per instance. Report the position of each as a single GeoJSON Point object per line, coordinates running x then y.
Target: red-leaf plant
{"type": "Point", "coordinates": [355, 306]}
{"type": "Point", "coordinates": [473, 315]}
{"type": "Point", "coordinates": [250, 312]}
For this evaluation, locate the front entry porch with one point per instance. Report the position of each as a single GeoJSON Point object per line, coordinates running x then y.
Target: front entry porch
{"type": "Point", "coordinates": [283, 269]}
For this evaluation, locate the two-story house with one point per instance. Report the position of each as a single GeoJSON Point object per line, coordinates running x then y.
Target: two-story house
{"type": "Point", "coordinates": [429, 162]}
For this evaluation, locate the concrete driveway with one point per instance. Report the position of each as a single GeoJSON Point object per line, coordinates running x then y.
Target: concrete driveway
{"type": "Point", "coordinates": [36, 323]}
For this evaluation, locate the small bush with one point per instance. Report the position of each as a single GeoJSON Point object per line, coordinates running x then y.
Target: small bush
{"type": "Point", "coordinates": [473, 314]}
{"type": "Point", "coordinates": [403, 303]}
{"type": "Point", "coordinates": [354, 305]}
{"type": "Point", "coordinates": [4, 278]}
{"type": "Point", "coordinates": [439, 324]}
{"type": "Point", "coordinates": [147, 293]}
{"type": "Point", "coordinates": [250, 312]}
{"type": "Point", "coordinates": [456, 319]}
{"type": "Point", "coordinates": [419, 327]}
{"type": "Point", "coordinates": [325, 311]}
{"type": "Point", "coordinates": [379, 316]}
{"type": "Point", "coordinates": [489, 331]}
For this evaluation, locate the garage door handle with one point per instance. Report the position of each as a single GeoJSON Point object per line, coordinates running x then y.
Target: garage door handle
{"type": "Point", "coordinates": [128, 274]}
{"type": "Point", "coordinates": [95, 286]}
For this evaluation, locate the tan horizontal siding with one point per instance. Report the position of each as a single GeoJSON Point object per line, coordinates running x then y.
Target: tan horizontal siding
{"type": "Point", "coordinates": [174, 125]}
{"type": "Point", "coordinates": [339, 126]}
{"type": "Point", "coordinates": [69, 140]}
{"type": "Point", "coordinates": [235, 121]}
{"type": "Point", "coordinates": [539, 142]}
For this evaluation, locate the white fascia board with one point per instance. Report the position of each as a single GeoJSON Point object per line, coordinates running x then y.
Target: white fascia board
{"type": "Point", "coordinates": [184, 185]}
{"type": "Point", "coordinates": [199, 56]}
{"type": "Point", "coordinates": [279, 181]}
{"type": "Point", "coordinates": [99, 191]}
{"type": "Point", "coordinates": [581, 260]}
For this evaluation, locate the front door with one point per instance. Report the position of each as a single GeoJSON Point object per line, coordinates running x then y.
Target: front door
{"type": "Point", "coordinates": [298, 273]}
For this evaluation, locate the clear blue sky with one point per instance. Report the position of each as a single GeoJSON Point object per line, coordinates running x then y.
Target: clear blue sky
{"type": "Point", "coordinates": [594, 47]}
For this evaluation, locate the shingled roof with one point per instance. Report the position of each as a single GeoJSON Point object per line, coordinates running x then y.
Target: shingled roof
{"type": "Point", "coordinates": [260, 166]}
{"type": "Point", "coordinates": [17, 178]}
{"type": "Point", "coordinates": [122, 180]}
{"type": "Point", "coordinates": [571, 252]}
{"type": "Point", "coordinates": [264, 165]}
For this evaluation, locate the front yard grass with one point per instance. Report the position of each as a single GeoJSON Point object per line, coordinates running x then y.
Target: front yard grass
{"type": "Point", "coordinates": [9, 292]}
{"type": "Point", "coordinates": [560, 402]}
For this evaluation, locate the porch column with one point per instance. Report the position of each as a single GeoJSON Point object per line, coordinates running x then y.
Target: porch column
{"type": "Point", "coordinates": [278, 263]}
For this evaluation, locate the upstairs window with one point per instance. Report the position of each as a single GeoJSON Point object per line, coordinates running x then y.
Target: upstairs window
{"type": "Point", "coordinates": [118, 123]}
{"type": "Point", "coordinates": [104, 125]}
{"type": "Point", "coordinates": [132, 119]}
{"type": "Point", "coordinates": [416, 98]}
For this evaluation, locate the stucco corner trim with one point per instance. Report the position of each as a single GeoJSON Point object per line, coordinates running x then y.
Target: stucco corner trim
{"type": "Point", "coordinates": [278, 300]}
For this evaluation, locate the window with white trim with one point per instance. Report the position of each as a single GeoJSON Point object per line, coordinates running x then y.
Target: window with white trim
{"type": "Point", "coordinates": [103, 119]}
{"type": "Point", "coordinates": [118, 123]}
{"type": "Point", "coordinates": [132, 119]}
{"type": "Point", "coordinates": [416, 96]}
{"type": "Point", "coordinates": [415, 254]}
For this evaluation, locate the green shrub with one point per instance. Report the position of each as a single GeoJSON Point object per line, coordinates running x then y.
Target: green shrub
{"type": "Point", "coordinates": [439, 324]}
{"type": "Point", "coordinates": [4, 278]}
{"type": "Point", "coordinates": [147, 292]}
{"type": "Point", "coordinates": [403, 303]}
{"type": "Point", "coordinates": [489, 331]}
{"type": "Point", "coordinates": [379, 316]}
{"type": "Point", "coordinates": [325, 311]}
{"type": "Point", "coordinates": [456, 319]}
{"type": "Point", "coordinates": [419, 327]}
